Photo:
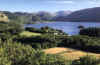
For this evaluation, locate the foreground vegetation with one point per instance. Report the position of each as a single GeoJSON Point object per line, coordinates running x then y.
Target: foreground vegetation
{"type": "Point", "coordinates": [26, 46]}
{"type": "Point", "coordinates": [12, 53]}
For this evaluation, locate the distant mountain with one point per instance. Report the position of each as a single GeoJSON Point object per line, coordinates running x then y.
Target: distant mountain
{"type": "Point", "coordinates": [63, 13]}
{"type": "Point", "coordinates": [25, 17]}
{"type": "Point", "coordinates": [45, 15]}
{"type": "Point", "coordinates": [90, 14]}
{"type": "Point", "coordinates": [22, 17]}
{"type": "Point", "coordinates": [60, 15]}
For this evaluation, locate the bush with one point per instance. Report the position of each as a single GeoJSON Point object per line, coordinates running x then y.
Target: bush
{"type": "Point", "coordinates": [86, 60]}
{"type": "Point", "coordinates": [4, 61]}
{"type": "Point", "coordinates": [16, 53]}
{"type": "Point", "coordinates": [55, 60]}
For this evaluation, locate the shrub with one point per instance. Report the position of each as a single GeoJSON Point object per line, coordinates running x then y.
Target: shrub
{"type": "Point", "coordinates": [55, 60]}
{"type": "Point", "coordinates": [43, 41]}
{"type": "Point", "coordinates": [86, 60]}
{"type": "Point", "coordinates": [4, 61]}
{"type": "Point", "coordinates": [16, 53]}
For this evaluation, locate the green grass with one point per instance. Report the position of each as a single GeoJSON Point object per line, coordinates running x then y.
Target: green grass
{"type": "Point", "coordinates": [28, 34]}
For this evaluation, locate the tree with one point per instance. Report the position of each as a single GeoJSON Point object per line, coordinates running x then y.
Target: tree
{"type": "Point", "coordinates": [15, 28]}
{"type": "Point", "coordinates": [81, 27]}
{"type": "Point", "coordinates": [91, 31]}
{"type": "Point", "coordinates": [8, 30]}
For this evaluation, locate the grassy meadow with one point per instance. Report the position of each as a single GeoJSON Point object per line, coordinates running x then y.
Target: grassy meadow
{"type": "Point", "coordinates": [29, 34]}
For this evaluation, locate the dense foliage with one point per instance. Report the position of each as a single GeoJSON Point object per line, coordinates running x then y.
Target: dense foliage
{"type": "Point", "coordinates": [46, 30]}
{"type": "Point", "coordinates": [49, 39]}
{"type": "Point", "coordinates": [7, 30]}
{"type": "Point", "coordinates": [86, 60]}
{"type": "Point", "coordinates": [41, 42]}
{"type": "Point", "coordinates": [82, 42]}
{"type": "Point", "coordinates": [11, 27]}
{"type": "Point", "coordinates": [12, 53]}
{"type": "Point", "coordinates": [91, 31]}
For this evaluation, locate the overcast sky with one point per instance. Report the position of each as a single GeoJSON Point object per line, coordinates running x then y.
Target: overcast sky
{"type": "Point", "coordinates": [47, 5]}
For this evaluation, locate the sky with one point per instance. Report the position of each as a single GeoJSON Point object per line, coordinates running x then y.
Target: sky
{"type": "Point", "coordinates": [46, 5]}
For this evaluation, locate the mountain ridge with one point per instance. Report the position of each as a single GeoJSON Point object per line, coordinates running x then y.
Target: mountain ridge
{"type": "Point", "coordinates": [89, 14]}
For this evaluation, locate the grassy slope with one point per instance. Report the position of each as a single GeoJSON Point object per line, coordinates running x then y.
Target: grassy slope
{"type": "Point", "coordinates": [68, 53]}
{"type": "Point", "coordinates": [28, 34]}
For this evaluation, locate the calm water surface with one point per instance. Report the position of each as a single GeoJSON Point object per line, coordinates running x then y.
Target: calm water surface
{"type": "Point", "coordinates": [69, 27]}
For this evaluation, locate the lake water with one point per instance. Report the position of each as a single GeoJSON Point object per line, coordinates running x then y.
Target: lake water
{"type": "Point", "coordinates": [69, 27]}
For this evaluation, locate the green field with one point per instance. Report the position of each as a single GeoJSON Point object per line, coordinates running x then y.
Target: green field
{"type": "Point", "coordinates": [28, 34]}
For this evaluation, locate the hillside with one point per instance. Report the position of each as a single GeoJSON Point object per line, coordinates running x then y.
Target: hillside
{"type": "Point", "coordinates": [60, 15]}
{"type": "Point", "coordinates": [90, 14]}
{"type": "Point", "coordinates": [27, 18]}
{"type": "Point", "coordinates": [63, 13]}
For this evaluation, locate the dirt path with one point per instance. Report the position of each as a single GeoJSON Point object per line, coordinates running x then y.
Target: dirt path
{"type": "Point", "coordinates": [69, 53]}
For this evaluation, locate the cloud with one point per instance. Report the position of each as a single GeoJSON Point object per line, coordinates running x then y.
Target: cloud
{"type": "Point", "coordinates": [94, 2]}
{"type": "Point", "coordinates": [61, 2]}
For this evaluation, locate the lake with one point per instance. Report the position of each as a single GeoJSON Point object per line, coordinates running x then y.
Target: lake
{"type": "Point", "coordinates": [69, 27]}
